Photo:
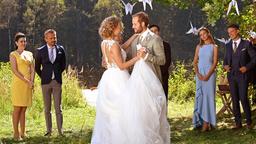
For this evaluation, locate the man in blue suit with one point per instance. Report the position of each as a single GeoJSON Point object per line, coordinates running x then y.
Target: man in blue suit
{"type": "Point", "coordinates": [50, 62]}
{"type": "Point", "coordinates": [253, 79]}
{"type": "Point", "coordinates": [239, 60]}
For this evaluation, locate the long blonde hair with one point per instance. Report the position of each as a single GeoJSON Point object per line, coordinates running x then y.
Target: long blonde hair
{"type": "Point", "coordinates": [201, 42]}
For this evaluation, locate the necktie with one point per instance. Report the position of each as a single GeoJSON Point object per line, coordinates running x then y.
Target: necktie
{"type": "Point", "coordinates": [235, 47]}
{"type": "Point", "coordinates": [51, 55]}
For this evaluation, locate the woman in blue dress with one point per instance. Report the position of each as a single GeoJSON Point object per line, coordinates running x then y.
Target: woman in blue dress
{"type": "Point", "coordinates": [205, 61]}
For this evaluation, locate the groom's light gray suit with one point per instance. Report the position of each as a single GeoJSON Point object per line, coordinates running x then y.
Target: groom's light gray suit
{"type": "Point", "coordinates": [154, 45]}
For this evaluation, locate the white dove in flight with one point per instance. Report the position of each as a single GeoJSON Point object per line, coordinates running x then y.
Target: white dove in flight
{"type": "Point", "coordinates": [149, 2]}
{"type": "Point", "coordinates": [223, 40]}
{"type": "Point", "coordinates": [252, 34]}
{"type": "Point", "coordinates": [128, 7]}
{"type": "Point", "coordinates": [231, 4]}
{"type": "Point", "coordinates": [193, 30]}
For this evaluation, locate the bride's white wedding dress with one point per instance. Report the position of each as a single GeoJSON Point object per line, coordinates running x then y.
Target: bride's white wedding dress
{"type": "Point", "coordinates": [130, 109]}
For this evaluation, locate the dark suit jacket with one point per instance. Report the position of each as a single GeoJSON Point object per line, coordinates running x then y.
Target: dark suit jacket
{"type": "Point", "coordinates": [167, 51]}
{"type": "Point", "coordinates": [44, 67]}
{"type": "Point", "coordinates": [254, 69]}
{"type": "Point", "coordinates": [247, 57]}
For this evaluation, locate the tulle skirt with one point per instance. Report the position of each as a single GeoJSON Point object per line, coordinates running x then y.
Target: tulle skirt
{"type": "Point", "coordinates": [131, 110]}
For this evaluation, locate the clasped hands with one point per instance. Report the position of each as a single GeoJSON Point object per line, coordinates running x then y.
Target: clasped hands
{"type": "Point", "coordinates": [202, 78]}
{"type": "Point", "coordinates": [141, 51]}
{"type": "Point", "coordinates": [30, 83]}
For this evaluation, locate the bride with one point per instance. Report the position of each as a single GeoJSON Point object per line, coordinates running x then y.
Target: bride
{"type": "Point", "coordinates": [129, 109]}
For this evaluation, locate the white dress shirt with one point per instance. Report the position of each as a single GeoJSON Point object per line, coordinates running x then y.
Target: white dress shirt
{"type": "Point", "coordinates": [237, 43]}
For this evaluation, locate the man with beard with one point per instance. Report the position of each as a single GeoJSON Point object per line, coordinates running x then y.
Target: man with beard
{"type": "Point", "coordinates": [154, 50]}
{"type": "Point", "coordinates": [50, 62]}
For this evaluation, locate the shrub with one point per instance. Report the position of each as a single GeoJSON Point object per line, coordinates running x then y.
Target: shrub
{"type": "Point", "coordinates": [71, 92]}
{"type": "Point", "coordinates": [181, 83]}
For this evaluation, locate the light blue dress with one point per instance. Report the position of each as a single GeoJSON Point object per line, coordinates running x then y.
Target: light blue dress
{"type": "Point", "coordinates": [205, 108]}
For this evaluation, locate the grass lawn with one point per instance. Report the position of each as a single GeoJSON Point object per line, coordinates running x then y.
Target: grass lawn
{"type": "Point", "coordinates": [182, 130]}
{"type": "Point", "coordinates": [78, 124]}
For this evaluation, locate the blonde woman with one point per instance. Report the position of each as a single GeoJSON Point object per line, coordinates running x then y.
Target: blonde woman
{"type": "Point", "coordinates": [205, 61]}
{"type": "Point", "coordinates": [130, 109]}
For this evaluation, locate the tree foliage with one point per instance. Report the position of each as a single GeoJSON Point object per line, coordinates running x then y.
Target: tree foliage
{"type": "Point", "coordinates": [215, 10]}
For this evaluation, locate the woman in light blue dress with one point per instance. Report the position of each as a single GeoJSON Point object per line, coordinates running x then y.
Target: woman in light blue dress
{"type": "Point", "coordinates": [205, 61]}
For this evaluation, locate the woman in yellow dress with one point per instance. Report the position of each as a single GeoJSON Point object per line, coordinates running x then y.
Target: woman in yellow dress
{"type": "Point", "coordinates": [22, 65]}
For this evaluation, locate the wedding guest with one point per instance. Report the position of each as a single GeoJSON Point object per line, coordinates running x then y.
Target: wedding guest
{"type": "Point", "coordinates": [240, 59]}
{"type": "Point", "coordinates": [205, 61]}
{"type": "Point", "coordinates": [164, 68]}
{"type": "Point", "coordinates": [253, 72]}
{"type": "Point", "coordinates": [22, 66]}
{"type": "Point", "coordinates": [50, 62]}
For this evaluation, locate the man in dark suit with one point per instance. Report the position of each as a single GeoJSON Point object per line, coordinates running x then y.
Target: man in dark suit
{"type": "Point", "coordinates": [50, 62]}
{"type": "Point", "coordinates": [164, 68]}
{"type": "Point", "coordinates": [239, 60]}
{"type": "Point", "coordinates": [253, 79]}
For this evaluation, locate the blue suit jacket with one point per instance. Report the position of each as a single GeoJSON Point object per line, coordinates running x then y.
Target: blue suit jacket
{"type": "Point", "coordinates": [247, 56]}
{"type": "Point", "coordinates": [44, 67]}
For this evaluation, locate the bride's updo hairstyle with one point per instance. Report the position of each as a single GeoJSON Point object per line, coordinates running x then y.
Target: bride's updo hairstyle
{"type": "Point", "coordinates": [108, 25]}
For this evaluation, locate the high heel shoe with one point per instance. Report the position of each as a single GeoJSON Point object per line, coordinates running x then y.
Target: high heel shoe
{"type": "Point", "coordinates": [205, 127]}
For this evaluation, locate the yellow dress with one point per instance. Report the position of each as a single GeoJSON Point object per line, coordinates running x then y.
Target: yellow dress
{"type": "Point", "coordinates": [21, 93]}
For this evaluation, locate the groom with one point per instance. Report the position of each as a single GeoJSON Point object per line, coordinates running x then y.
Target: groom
{"type": "Point", "coordinates": [154, 53]}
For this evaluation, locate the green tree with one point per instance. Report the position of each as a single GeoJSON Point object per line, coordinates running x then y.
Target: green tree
{"type": "Point", "coordinates": [8, 12]}
{"type": "Point", "coordinates": [215, 10]}
{"type": "Point", "coordinates": [41, 15]}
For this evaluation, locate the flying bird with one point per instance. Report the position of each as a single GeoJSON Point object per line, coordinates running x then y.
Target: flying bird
{"type": "Point", "coordinates": [233, 3]}
{"type": "Point", "coordinates": [145, 2]}
{"type": "Point", "coordinates": [193, 30]}
{"type": "Point", "coordinates": [223, 40]}
{"type": "Point", "coordinates": [128, 7]}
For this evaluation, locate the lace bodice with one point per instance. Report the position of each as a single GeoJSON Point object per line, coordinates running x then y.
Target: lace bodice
{"type": "Point", "coordinates": [107, 44]}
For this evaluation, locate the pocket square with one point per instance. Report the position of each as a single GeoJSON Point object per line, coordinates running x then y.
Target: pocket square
{"type": "Point", "coordinates": [243, 49]}
{"type": "Point", "coordinates": [59, 52]}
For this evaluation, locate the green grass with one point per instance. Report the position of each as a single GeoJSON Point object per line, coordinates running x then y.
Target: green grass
{"type": "Point", "coordinates": [182, 130]}
{"type": "Point", "coordinates": [78, 123]}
